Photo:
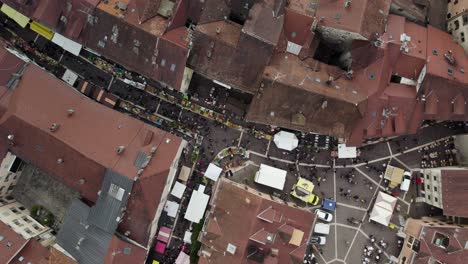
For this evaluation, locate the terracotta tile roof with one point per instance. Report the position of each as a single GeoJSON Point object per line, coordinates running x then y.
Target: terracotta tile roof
{"type": "Point", "coordinates": [455, 253]}
{"type": "Point", "coordinates": [30, 116]}
{"type": "Point", "coordinates": [366, 17]}
{"type": "Point", "coordinates": [33, 252]}
{"type": "Point", "coordinates": [454, 192]}
{"type": "Point", "coordinates": [121, 252]}
{"type": "Point", "coordinates": [262, 24]}
{"type": "Point", "coordinates": [11, 243]}
{"type": "Point", "coordinates": [235, 211]}
{"type": "Point", "coordinates": [57, 257]}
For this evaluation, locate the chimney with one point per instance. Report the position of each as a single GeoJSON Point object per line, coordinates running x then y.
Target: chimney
{"type": "Point", "coordinates": [218, 30]}
{"type": "Point", "coordinates": [54, 127]}
{"type": "Point", "coordinates": [120, 150]}
{"type": "Point", "coordinates": [59, 161]}
{"type": "Point", "coordinates": [10, 139]}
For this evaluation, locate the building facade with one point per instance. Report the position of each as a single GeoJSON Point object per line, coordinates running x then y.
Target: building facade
{"type": "Point", "coordinates": [433, 187]}
{"type": "Point", "coordinates": [19, 219]}
{"type": "Point", "coordinates": [457, 21]}
{"type": "Point", "coordinates": [10, 170]}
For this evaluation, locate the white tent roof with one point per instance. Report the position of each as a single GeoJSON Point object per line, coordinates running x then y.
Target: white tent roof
{"type": "Point", "coordinates": [345, 152]}
{"type": "Point", "coordinates": [286, 140]}
{"type": "Point", "coordinates": [183, 258]}
{"type": "Point", "coordinates": [383, 208]}
{"type": "Point", "coordinates": [184, 173]}
{"type": "Point", "coordinates": [67, 44]}
{"type": "Point", "coordinates": [271, 176]}
{"type": "Point", "coordinates": [70, 77]}
{"type": "Point", "coordinates": [213, 172]}
{"type": "Point", "coordinates": [188, 237]}
{"type": "Point", "coordinates": [178, 190]}
{"type": "Point", "coordinates": [196, 207]}
{"type": "Point", "coordinates": [171, 208]}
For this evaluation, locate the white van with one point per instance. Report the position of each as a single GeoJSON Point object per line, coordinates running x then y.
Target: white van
{"type": "Point", "coordinates": [321, 228]}
{"type": "Point", "coordinates": [405, 183]}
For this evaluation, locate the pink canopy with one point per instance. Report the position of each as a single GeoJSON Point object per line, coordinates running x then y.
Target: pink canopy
{"type": "Point", "coordinates": [183, 258]}
{"type": "Point", "coordinates": [160, 247]}
{"type": "Point", "coordinates": [164, 233]}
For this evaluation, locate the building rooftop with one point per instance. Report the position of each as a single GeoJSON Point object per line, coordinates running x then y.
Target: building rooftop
{"type": "Point", "coordinates": [244, 225]}
{"type": "Point", "coordinates": [10, 243]}
{"type": "Point", "coordinates": [366, 17]}
{"type": "Point", "coordinates": [445, 244]}
{"type": "Point", "coordinates": [454, 192]}
{"type": "Point", "coordinates": [127, 146]}
{"type": "Point", "coordinates": [121, 252]}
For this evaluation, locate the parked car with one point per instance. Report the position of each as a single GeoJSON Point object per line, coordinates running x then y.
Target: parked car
{"type": "Point", "coordinates": [322, 215]}
{"type": "Point", "coordinates": [319, 240]}
{"type": "Point", "coordinates": [321, 228]}
{"type": "Point", "coordinates": [405, 184]}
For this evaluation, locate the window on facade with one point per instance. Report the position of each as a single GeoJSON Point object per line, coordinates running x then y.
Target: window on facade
{"type": "Point", "coordinates": [36, 227]}
{"type": "Point", "coordinates": [28, 231]}
{"type": "Point", "coordinates": [435, 188]}
{"type": "Point", "coordinates": [436, 200]}
{"type": "Point", "coordinates": [2, 188]}
{"type": "Point", "coordinates": [465, 19]}
{"type": "Point", "coordinates": [457, 24]}
{"type": "Point", "coordinates": [429, 197]}
{"type": "Point", "coordinates": [14, 210]}
{"type": "Point", "coordinates": [26, 219]}
{"type": "Point", "coordinates": [435, 178]}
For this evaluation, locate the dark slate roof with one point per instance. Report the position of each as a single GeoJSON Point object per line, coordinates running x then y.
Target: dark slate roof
{"type": "Point", "coordinates": [113, 197]}
{"type": "Point", "coordinates": [87, 232]}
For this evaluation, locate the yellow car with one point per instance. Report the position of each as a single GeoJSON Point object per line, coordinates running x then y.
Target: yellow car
{"type": "Point", "coordinates": [302, 190]}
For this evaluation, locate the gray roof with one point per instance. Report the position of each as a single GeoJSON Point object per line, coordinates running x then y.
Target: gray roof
{"type": "Point", "coordinates": [113, 197]}
{"type": "Point", "coordinates": [87, 232]}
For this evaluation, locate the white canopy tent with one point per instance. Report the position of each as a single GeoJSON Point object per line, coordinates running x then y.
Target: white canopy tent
{"type": "Point", "coordinates": [213, 172]}
{"type": "Point", "coordinates": [271, 176]}
{"type": "Point", "coordinates": [188, 237]}
{"type": "Point", "coordinates": [197, 206]}
{"type": "Point", "coordinates": [345, 152]}
{"type": "Point", "coordinates": [178, 190]}
{"type": "Point", "coordinates": [183, 258]}
{"type": "Point", "coordinates": [383, 208]}
{"type": "Point", "coordinates": [184, 173]}
{"type": "Point", "coordinates": [286, 140]}
{"type": "Point", "coordinates": [171, 208]}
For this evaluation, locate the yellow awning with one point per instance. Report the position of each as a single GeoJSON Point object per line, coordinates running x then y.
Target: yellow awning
{"type": "Point", "coordinates": [42, 30]}
{"type": "Point", "coordinates": [19, 18]}
{"type": "Point", "coordinates": [155, 262]}
{"type": "Point", "coordinates": [296, 237]}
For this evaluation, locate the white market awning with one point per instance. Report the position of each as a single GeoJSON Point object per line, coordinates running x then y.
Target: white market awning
{"type": "Point", "coordinates": [383, 208]}
{"type": "Point", "coordinates": [345, 152]}
{"type": "Point", "coordinates": [70, 77]}
{"type": "Point", "coordinates": [271, 176]}
{"type": "Point", "coordinates": [286, 140]}
{"type": "Point", "coordinates": [178, 190]}
{"type": "Point", "coordinates": [184, 173]}
{"type": "Point", "coordinates": [182, 258]}
{"type": "Point", "coordinates": [196, 207]}
{"type": "Point", "coordinates": [171, 208]}
{"type": "Point", "coordinates": [213, 172]}
{"type": "Point", "coordinates": [188, 237]}
{"type": "Point", "coordinates": [67, 44]}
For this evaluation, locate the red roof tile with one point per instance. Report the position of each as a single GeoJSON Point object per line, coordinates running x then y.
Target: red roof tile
{"type": "Point", "coordinates": [121, 252]}
{"type": "Point", "coordinates": [235, 211]}
{"type": "Point", "coordinates": [454, 192]}
{"type": "Point", "coordinates": [11, 243]}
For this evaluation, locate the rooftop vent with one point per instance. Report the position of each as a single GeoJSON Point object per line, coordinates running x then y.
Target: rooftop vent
{"type": "Point", "coordinates": [120, 149]}
{"type": "Point", "coordinates": [59, 161]}
{"type": "Point", "coordinates": [127, 251]}
{"type": "Point", "coordinates": [70, 112]}
{"type": "Point", "coordinates": [54, 127]}
{"type": "Point", "coordinates": [168, 140]}
{"type": "Point", "coordinates": [218, 30]}
{"type": "Point", "coordinates": [231, 248]}
{"type": "Point", "coordinates": [1, 238]}
{"type": "Point", "coordinates": [9, 244]}
{"type": "Point", "coordinates": [347, 3]}
{"type": "Point", "coordinates": [270, 238]}
{"type": "Point", "coordinates": [121, 5]}
{"type": "Point", "coordinates": [449, 57]}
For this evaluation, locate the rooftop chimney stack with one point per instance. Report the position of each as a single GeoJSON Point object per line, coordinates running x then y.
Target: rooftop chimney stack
{"type": "Point", "coordinates": [120, 150]}
{"type": "Point", "coordinates": [54, 127]}
{"type": "Point", "coordinates": [10, 139]}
